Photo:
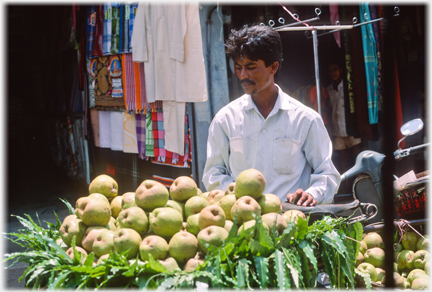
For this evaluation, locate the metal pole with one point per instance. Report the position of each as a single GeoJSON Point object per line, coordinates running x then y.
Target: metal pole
{"type": "Point", "coordinates": [317, 80]}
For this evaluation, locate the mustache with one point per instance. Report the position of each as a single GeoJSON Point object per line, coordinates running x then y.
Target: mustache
{"type": "Point", "coordinates": [246, 81]}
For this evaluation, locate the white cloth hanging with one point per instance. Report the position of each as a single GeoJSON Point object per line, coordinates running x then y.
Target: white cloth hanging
{"type": "Point", "coordinates": [116, 120]}
{"type": "Point", "coordinates": [104, 129]}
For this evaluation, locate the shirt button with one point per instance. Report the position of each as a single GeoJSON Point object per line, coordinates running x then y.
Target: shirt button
{"type": "Point", "coordinates": [262, 154]}
{"type": "Point", "coordinates": [263, 131]}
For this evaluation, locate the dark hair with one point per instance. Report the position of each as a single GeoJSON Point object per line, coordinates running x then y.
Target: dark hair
{"type": "Point", "coordinates": [257, 42]}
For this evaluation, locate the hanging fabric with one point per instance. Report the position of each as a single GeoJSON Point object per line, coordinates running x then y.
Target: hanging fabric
{"type": "Point", "coordinates": [104, 129]}
{"type": "Point", "coordinates": [116, 127]}
{"type": "Point", "coordinates": [149, 142]}
{"type": "Point", "coordinates": [376, 30]}
{"type": "Point", "coordinates": [371, 65]}
{"type": "Point", "coordinates": [334, 18]}
{"type": "Point", "coordinates": [94, 120]}
{"type": "Point", "coordinates": [140, 120]}
{"type": "Point", "coordinates": [115, 32]}
{"type": "Point", "coordinates": [98, 31]}
{"type": "Point", "coordinates": [130, 143]}
{"type": "Point", "coordinates": [107, 28]}
{"type": "Point", "coordinates": [90, 29]}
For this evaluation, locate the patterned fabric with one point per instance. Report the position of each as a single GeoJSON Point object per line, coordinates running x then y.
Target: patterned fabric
{"type": "Point", "coordinates": [90, 80]}
{"type": "Point", "coordinates": [132, 12]}
{"type": "Point", "coordinates": [376, 30]}
{"type": "Point", "coordinates": [90, 29]}
{"type": "Point", "coordinates": [98, 32]}
{"type": "Point", "coordinates": [115, 33]}
{"type": "Point", "coordinates": [103, 87]}
{"type": "Point", "coordinates": [124, 29]}
{"type": "Point", "coordinates": [149, 136]}
{"type": "Point", "coordinates": [130, 144]}
{"type": "Point", "coordinates": [371, 65]}
{"type": "Point", "coordinates": [138, 107]}
{"type": "Point", "coordinates": [166, 181]}
{"type": "Point", "coordinates": [107, 29]}
{"type": "Point", "coordinates": [129, 82]}
{"type": "Point", "coordinates": [143, 90]}
{"type": "Point", "coordinates": [140, 120]}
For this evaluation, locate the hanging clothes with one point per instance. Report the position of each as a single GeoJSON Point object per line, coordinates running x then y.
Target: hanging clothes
{"type": "Point", "coordinates": [90, 30]}
{"type": "Point", "coordinates": [334, 18]}
{"type": "Point", "coordinates": [98, 31]}
{"type": "Point", "coordinates": [140, 121]}
{"type": "Point", "coordinates": [115, 31]}
{"type": "Point", "coordinates": [376, 30]}
{"type": "Point", "coordinates": [130, 143]}
{"type": "Point", "coordinates": [116, 127]}
{"type": "Point", "coordinates": [371, 65]}
{"type": "Point", "coordinates": [107, 28]}
{"type": "Point", "coordinates": [104, 129]}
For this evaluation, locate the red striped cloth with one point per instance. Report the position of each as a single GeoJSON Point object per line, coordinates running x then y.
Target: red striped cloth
{"type": "Point", "coordinates": [129, 82]}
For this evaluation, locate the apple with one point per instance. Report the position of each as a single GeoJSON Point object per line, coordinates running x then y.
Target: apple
{"type": "Point", "coordinates": [61, 243]}
{"type": "Point", "coordinates": [72, 228]}
{"type": "Point", "coordinates": [205, 195]}
{"type": "Point", "coordinates": [226, 204]}
{"type": "Point", "coordinates": [398, 280]}
{"type": "Point", "coordinates": [192, 225]}
{"type": "Point", "coordinates": [215, 196]}
{"type": "Point", "coordinates": [213, 235]}
{"type": "Point", "coordinates": [421, 257]}
{"type": "Point", "coordinates": [405, 260]}
{"type": "Point", "coordinates": [427, 267]}
{"type": "Point", "coordinates": [421, 283]}
{"type": "Point", "coordinates": [112, 224]}
{"type": "Point", "coordinates": [90, 235]}
{"type": "Point", "coordinates": [175, 205]}
{"type": "Point", "coordinates": [128, 200]}
{"type": "Point", "coordinates": [373, 239]}
{"type": "Point", "coordinates": [71, 216]}
{"type": "Point", "coordinates": [82, 253]}
{"type": "Point", "coordinates": [199, 192]}
{"type": "Point", "coordinates": [183, 246]}
{"type": "Point", "coordinates": [192, 264]}
{"type": "Point", "coordinates": [100, 196]}
{"type": "Point", "coordinates": [248, 225]}
{"type": "Point", "coordinates": [409, 240]}
{"type": "Point", "coordinates": [270, 203]}
{"type": "Point", "coordinates": [165, 221]}
{"type": "Point", "coordinates": [194, 205]}
{"type": "Point", "coordinates": [291, 215]}
{"type": "Point", "coordinates": [363, 247]}
{"type": "Point", "coordinates": [359, 259]}
{"type": "Point", "coordinates": [230, 189]}
{"type": "Point", "coordinates": [105, 185]}
{"type": "Point", "coordinates": [182, 206]}
{"type": "Point", "coordinates": [93, 211]}
{"type": "Point", "coordinates": [368, 269]}
{"type": "Point", "coordinates": [116, 206]}
{"type": "Point", "coordinates": [135, 218]}
{"type": "Point", "coordinates": [104, 243]}
{"type": "Point", "coordinates": [151, 194]}
{"type": "Point", "coordinates": [102, 259]}
{"type": "Point", "coordinates": [211, 215]}
{"type": "Point", "coordinates": [250, 182]}
{"type": "Point", "coordinates": [170, 264]}
{"type": "Point", "coordinates": [155, 246]}
{"type": "Point", "coordinates": [380, 274]}
{"type": "Point", "coordinates": [183, 188]}
{"type": "Point", "coordinates": [414, 274]}
{"type": "Point", "coordinates": [423, 243]}
{"type": "Point", "coordinates": [245, 207]}
{"type": "Point", "coordinates": [375, 256]}
{"type": "Point", "coordinates": [228, 225]}
{"type": "Point", "coordinates": [271, 219]}
{"type": "Point", "coordinates": [127, 239]}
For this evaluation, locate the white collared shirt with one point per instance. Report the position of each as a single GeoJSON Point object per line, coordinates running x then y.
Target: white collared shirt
{"type": "Point", "coordinates": [286, 147]}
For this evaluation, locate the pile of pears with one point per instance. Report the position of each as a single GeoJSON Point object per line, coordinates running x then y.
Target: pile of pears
{"type": "Point", "coordinates": [411, 260]}
{"type": "Point", "coordinates": [171, 225]}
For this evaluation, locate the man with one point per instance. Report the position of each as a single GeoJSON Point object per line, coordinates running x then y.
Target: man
{"type": "Point", "coordinates": [346, 147]}
{"type": "Point", "coordinates": [268, 130]}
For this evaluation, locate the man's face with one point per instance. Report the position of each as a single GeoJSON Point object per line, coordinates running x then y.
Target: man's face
{"type": "Point", "coordinates": [254, 76]}
{"type": "Point", "coordinates": [334, 72]}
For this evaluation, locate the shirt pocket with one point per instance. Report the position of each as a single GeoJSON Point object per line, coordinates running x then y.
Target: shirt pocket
{"type": "Point", "coordinates": [286, 155]}
{"type": "Point", "coordinates": [241, 154]}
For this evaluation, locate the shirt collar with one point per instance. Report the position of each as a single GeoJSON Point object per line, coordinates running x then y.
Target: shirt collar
{"type": "Point", "coordinates": [282, 102]}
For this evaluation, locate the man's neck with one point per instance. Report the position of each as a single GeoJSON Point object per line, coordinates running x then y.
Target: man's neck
{"type": "Point", "coordinates": [265, 101]}
{"type": "Point", "coordinates": [336, 83]}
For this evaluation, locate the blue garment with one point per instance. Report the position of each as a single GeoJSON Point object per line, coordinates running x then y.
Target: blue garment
{"type": "Point", "coordinates": [132, 10]}
{"type": "Point", "coordinates": [107, 29]}
{"type": "Point", "coordinates": [90, 30]}
{"type": "Point", "coordinates": [371, 63]}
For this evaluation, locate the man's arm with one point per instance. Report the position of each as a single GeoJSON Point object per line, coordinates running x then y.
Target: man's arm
{"type": "Point", "coordinates": [216, 173]}
{"type": "Point", "coordinates": [318, 149]}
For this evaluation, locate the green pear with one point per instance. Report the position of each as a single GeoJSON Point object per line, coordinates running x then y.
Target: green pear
{"type": "Point", "coordinates": [270, 203]}
{"type": "Point", "coordinates": [409, 240]}
{"type": "Point", "coordinates": [100, 196]}
{"type": "Point", "coordinates": [127, 239]}
{"type": "Point", "coordinates": [182, 206]}
{"type": "Point", "coordinates": [405, 260]}
{"type": "Point", "coordinates": [421, 257]}
{"type": "Point", "coordinates": [71, 216]}
{"type": "Point", "coordinates": [245, 207]}
{"type": "Point", "coordinates": [213, 235]}
{"type": "Point", "coordinates": [128, 200]}
{"type": "Point", "coordinates": [93, 211]}
{"type": "Point", "coordinates": [104, 243]}
{"type": "Point", "coordinates": [421, 283]}
{"type": "Point", "coordinates": [170, 264]}
{"type": "Point", "coordinates": [414, 274]}
{"type": "Point", "coordinates": [271, 219]}
{"type": "Point", "coordinates": [155, 246]}
{"type": "Point", "coordinates": [194, 205]}
{"type": "Point", "coordinates": [423, 243]}
{"type": "Point", "coordinates": [116, 206]}
{"type": "Point", "coordinates": [375, 256]}
{"type": "Point", "coordinates": [373, 239]}
{"type": "Point", "coordinates": [165, 221]}
{"type": "Point", "coordinates": [183, 246]}
{"type": "Point", "coordinates": [291, 215]}
{"type": "Point", "coordinates": [215, 196]}
{"type": "Point", "coordinates": [368, 269]}
{"type": "Point", "coordinates": [226, 204]}
{"type": "Point", "coordinates": [211, 215]}
{"type": "Point", "coordinates": [230, 189]}
{"type": "Point", "coordinates": [105, 185]}
{"type": "Point", "coordinates": [192, 225]}
{"type": "Point", "coordinates": [72, 228]}
{"type": "Point", "coordinates": [183, 188]}
{"type": "Point", "coordinates": [175, 205]}
{"type": "Point", "coordinates": [83, 254]}
{"type": "Point", "coordinates": [250, 182]}
{"type": "Point", "coordinates": [151, 194]}
{"type": "Point", "coordinates": [205, 195]}
{"type": "Point", "coordinates": [111, 224]}
{"type": "Point", "coordinates": [90, 235]}
{"type": "Point", "coordinates": [135, 218]}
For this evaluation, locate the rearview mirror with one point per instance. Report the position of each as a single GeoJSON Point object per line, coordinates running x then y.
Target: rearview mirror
{"type": "Point", "coordinates": [410, 128]}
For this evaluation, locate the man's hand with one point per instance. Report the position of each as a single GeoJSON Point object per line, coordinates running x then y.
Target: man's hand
{"type": "Point", "coordinates": [301, 198]}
